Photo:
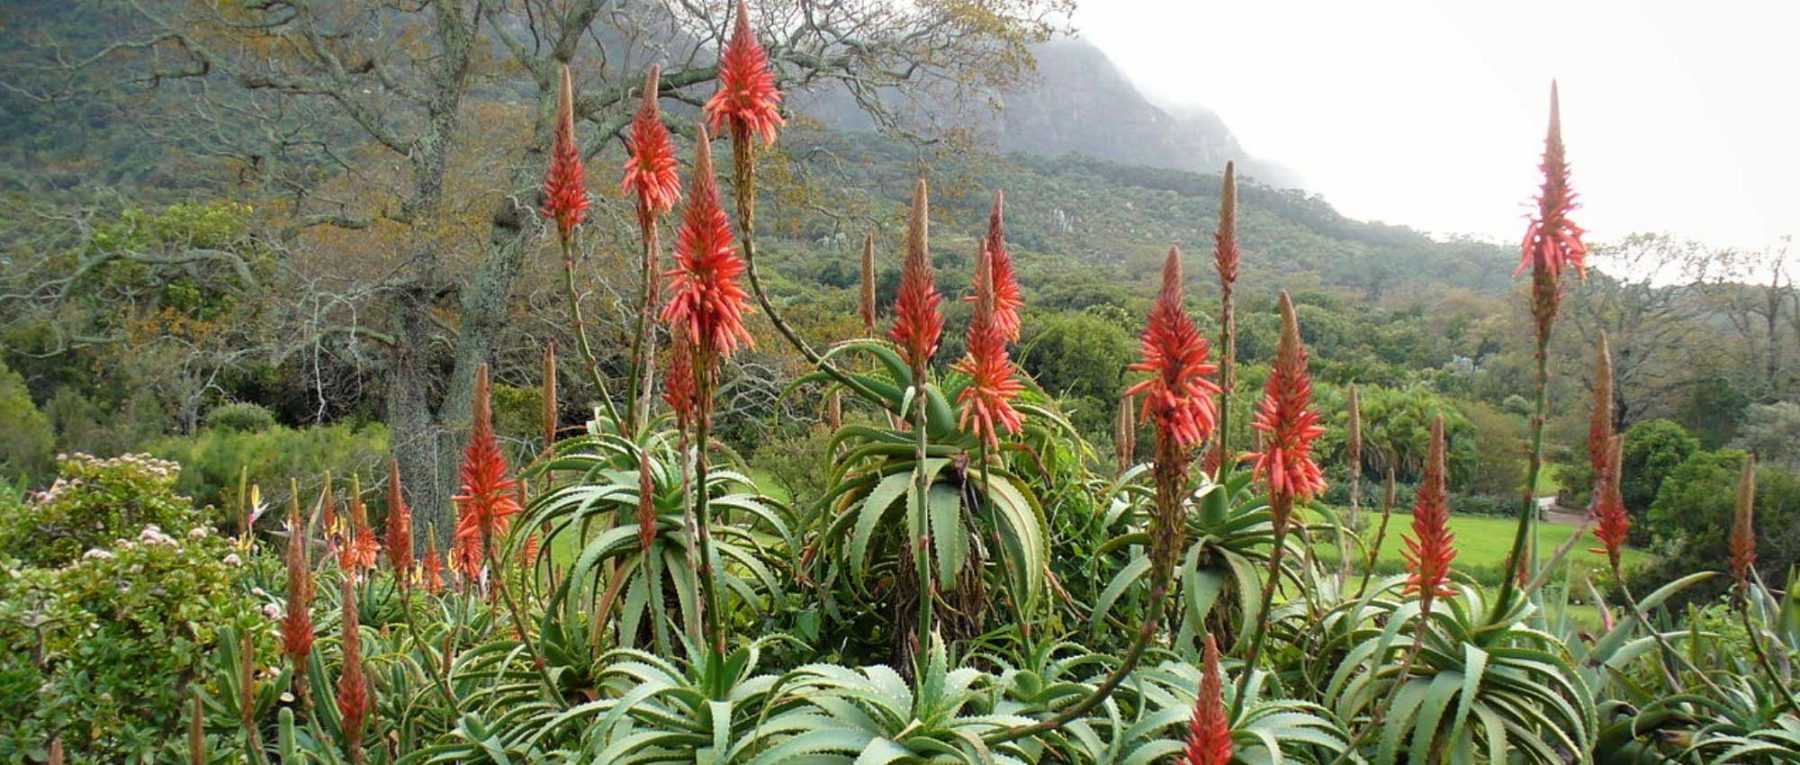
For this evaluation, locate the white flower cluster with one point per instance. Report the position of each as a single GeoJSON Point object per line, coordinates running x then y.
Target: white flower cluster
{"type": "Point", "coordinates": [163, 471]}
{"type": "Point", "coordinates": [151, 535]}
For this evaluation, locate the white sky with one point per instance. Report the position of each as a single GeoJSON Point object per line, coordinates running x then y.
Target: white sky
{"type": "Point", "coordinates": [1678, 116]}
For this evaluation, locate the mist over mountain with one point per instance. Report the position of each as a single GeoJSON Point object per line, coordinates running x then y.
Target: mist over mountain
{"type": "Point", "coordinates": [1079, 102]}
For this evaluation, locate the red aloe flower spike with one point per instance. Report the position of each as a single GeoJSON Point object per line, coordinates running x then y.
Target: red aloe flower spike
{"type": "Point", "coordinates": [1007, 300]}
{"type": "Point", "coordinates": [528, 556]}
{"type": "Point", "coordinates": [646, 510]}
{"type": "Point", "coordinates": [1431, 547]}
{"type": "Point", "coordinates": [565, 193]}
{"type": "Point", "coordinates": [987, 400]}
{"type": "Point", "coordinates": [1743, 526]}
{"type": "Point", "coordinates": [1613, 523]}
{"type": "Point", "coordinates": [917, 321]}
{"type": "Point", "coordinates": [398, 530]}
{"type": "Point", "coordinates": [352, 686]}
{"type": "Point", "coordinates": [1552, 241]}
{"type": "Point", "coordinates": [651, 172]}
{"type": "Point", "coordinates": [1209, 732]}
{"type": "Point", "coordinates": [296, 625]}
{"type": "Point", "coordinates": [868, 284]}
{"type": "Point", "coordinates": [486, 503]}
{"type": "Point", "coordinates": [360, 548]}
{"type": "Point", "coordinates": [432, 568]}
{"type": "Point", "coordinates": [705, 299]}
{"type": "Point", "coordinates": [1225, 246]}
{"type": "Point", "coordinates": [679, 390]}
{"type": "Point", "coordinates": [1178, 395]}
{"type": "Point", "coordinates": [1286, 420]}
{"type": "Point", "coordinates": [1600, 421]}
{"type": "Point", "coordinates": [747, 98]}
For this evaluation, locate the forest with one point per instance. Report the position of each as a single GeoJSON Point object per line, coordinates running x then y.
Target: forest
{"type": "Point", "coordinates": [540, 381]}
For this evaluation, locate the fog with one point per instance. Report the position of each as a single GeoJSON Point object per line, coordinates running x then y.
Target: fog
{"type": "Point", "coordinates": [1678, 117]}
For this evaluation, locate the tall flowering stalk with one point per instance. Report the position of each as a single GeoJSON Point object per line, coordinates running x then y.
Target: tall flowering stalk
{"type": "Point", "coordinates": [652, 178]}
{"type": "Point", "coordinates": [353, 698]}
{"type": "Point", "coordinates": [1288, 426]}
{"type": "Point", "coordinates": [398, 528]}
{"type": "Point", "coordinates": [1178, 400]}
{"type": "Point", "coordinates": [646, 509]}
{"type": "Point", "coordinates": [1353, 446]}
{"type": "Point", "coordinates": [707, 305]}
{"type": "Point", "coordinates": [868, 284]}
{"type": "Point", "coordinates": [1005, 290]}
{"type": "Point", "coordinates": [565, 203]}
{"type": "Point", "coordinates": [1552, 244]}
{"type": "Point", "coordinates": [918, 324]}
{"type": "Point", "coordinates": [1225, 261]}
{"type": "Point", "coordinates": [1432, 546]}
{"type": "Point", "coordinates": [431, 569]}
{"type": "Point", "coordinates": [1125, 434]}
{"type": "Point", "coordinates": [1612, 524]}
{"type": "Point", "coordinates": [1209, 731]}
{"type": "Point", "coordinates": [486, 504]}
{"type": "Point", "coordinates": [987, 400]}
{"type": "Point", "coordinates": [360, 547]}
{"type": "Point", "coordinates": [748, 104]}
{"type": "Point", "coordinates": [296, 623]}
{"type": "Point", "coordinates": [1742, 542]}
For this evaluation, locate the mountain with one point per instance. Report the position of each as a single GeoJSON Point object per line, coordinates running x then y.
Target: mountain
{"type": "Point", "coordinates": [1078, 103]}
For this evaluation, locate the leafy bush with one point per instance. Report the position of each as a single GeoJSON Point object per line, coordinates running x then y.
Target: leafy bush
{"type": "Point", "coordinates": [1691, 519]}
{"type": "Point", "coordinates": [100, 652]}
{"type": "Point", "coordinates": [93, 502]}
{"type": "Point", "coordinates": [242, 416]}
{"type": "Point", "coordinates": [214, 457]}
{"type": "Point", "coordinates": [1652, 450]}
{"type": "Point", "coordinates": [25, 450]}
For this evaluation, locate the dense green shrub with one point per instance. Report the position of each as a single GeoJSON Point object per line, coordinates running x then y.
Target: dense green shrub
{"type": "Point", "coordinates": [25, 449]}
{"type": "Point", "coordinates": [100, 652]}
{"type": "Point", "coordinates": [1691, 520]}
{"type": "Point", "coordinates": [94, 502]}
{"type": "Point", "coordinates": [244, 416]}
{"type": "Point", "coordinates": [1652, 450]}
{"type": "Point", "coordinates": [213, 458]}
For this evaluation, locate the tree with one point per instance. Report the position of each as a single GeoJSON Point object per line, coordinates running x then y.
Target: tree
{"type": "Point", "coordinates": [1755, 291]}
{"type": "Point", "coordinates": [395, 150]}
{"type": "Point", "coordinates": [1653, 449]}
{"type": "Point", "coordinates": [1643, 293]}
{"type": "Point", "coordinates": [25, 451]}
{"type": "Point", "coordinates": [1772, 433]}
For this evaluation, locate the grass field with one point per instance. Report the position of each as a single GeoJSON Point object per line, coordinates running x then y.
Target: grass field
{"type": "Point", "coordinates": [1482, 543]}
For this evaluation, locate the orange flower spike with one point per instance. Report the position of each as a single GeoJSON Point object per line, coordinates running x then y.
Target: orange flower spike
{"type": "Point", "coordinates": [1431, 547]}
{"type": "Point", "coordinates": [918, 324]}
{"type": "Point", "coordinates": [1209, 732]}
{"type": "Point", "coordinates": [352, 686]}
{"type": "Point", "coordinates": [652, 175]}
{"type": "Point", "coordinates": [1552, 241]}
{"type": "Point", "coordinates": [360, 549]}
{"type": "Point", "coordinates": [486, 503]}
{"type": "Point", "coordinates": [1178, 395]}
{"type": "Point", "coordinates": [1286, 420]}
{"type": "Point", "coordinates": [1743, 526]}
{"type": "Point", "coordinates": [1613, 524]}
{"type": "Point", "coordinates": [565, 191]}
{"type": "Point", "coordinates": [296, 625]}
{"type": "Point", "coordinates": [1007, 299]}
{"type": "Point", "coordinates": [432, 568]}
{"type": "Point", "coordinates": [987, 400]}
{"type": "Point", "coordinates": [679, 390]}
{"type": "Point", "coordinates": [705, 299]}
{"type": "Point", "coordinates": [747, 99]}
{"type": "Point", "coordinates": [398, 528]}
{"type": "Point", "coordinates": [1225, 246]}
{"type": "Point", "coordinates": [1600, 420]}
{"type": "Point", "coordinates": [646, 509]}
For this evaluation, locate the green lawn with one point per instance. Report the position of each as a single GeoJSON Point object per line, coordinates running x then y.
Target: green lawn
{"type": "Point", "coordinates": [1482, 543]}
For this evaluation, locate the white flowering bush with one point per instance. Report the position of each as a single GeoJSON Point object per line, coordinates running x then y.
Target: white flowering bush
{"type": "Point", "coordinates": [93, 502]}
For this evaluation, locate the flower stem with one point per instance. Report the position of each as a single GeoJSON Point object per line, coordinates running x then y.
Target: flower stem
{"type": "Point", "coordinates": [714, 618]}
{"type": "Point", "coordinates": [1524, 549]}
{"type": "Point", "coordinates": [643, 347]}
{"type": "Point", "coordinates": [581, 336]}
{"type": "Point", "coordinates": [1268, 599]}
{"type": "Point", "coordinates": [921, 538]}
